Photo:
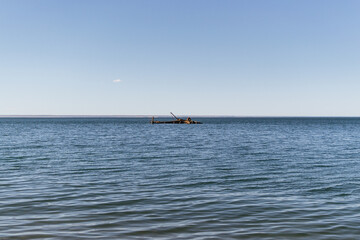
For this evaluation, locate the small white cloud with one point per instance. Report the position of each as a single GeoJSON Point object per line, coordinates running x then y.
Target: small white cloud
{"type": "Point", "coordinates": [117, 80]}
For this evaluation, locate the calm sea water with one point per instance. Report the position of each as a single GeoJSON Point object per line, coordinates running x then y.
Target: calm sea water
{"type": "Point", "coordinates": [233, 178]}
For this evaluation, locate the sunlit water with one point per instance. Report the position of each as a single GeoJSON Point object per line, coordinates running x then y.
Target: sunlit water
{"type": "Point", "coordinates": [249, 178]}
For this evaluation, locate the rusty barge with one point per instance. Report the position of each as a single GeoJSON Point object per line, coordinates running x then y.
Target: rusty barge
{"type": "Point", "coordinates": [175, 121]}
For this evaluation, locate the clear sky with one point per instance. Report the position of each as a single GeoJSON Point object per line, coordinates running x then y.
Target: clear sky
{"type": "Point", "coordinates": [224, 57]}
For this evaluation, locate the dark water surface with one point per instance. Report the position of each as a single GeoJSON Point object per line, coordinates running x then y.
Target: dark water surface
{"type": "Point", "coordinates": [234, 178]}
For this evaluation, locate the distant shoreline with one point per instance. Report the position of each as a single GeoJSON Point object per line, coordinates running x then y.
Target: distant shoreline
{"type": "Point", "coordinates": [164, 116]}
{"type": "Point", "coordinates": [110, 116]}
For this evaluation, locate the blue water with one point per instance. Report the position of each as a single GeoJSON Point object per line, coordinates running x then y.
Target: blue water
{"type": "Point", "coordinates": [233, 178]}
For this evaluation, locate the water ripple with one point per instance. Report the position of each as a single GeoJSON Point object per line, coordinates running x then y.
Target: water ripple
{"type": "Point", "coordinates": [249, 178]}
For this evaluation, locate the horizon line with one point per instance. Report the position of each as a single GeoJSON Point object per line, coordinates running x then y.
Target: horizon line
{"type": "Point", "coordinates": [162, 116]}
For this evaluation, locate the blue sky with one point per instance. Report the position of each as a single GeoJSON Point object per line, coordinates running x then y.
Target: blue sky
{"type": "Point", "coordinates": [246, 58]}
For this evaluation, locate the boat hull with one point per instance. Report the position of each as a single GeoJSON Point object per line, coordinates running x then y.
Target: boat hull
{"type": "Point", "coordinates": [176, 122]}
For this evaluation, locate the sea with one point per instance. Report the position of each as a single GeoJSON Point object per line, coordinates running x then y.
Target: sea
{"type": "Point", "coordinates": [229, 178]}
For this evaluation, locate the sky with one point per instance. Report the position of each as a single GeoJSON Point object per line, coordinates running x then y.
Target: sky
{"type": "Point", "coordinates": [191, 57]}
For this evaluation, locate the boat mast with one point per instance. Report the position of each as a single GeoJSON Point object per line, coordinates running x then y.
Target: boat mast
{"type": "Point", "coordinates": [174, 116]}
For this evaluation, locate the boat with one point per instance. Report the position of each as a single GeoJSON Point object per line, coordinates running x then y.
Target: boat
{"type": "Point", "coordinates": [175, 121]}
